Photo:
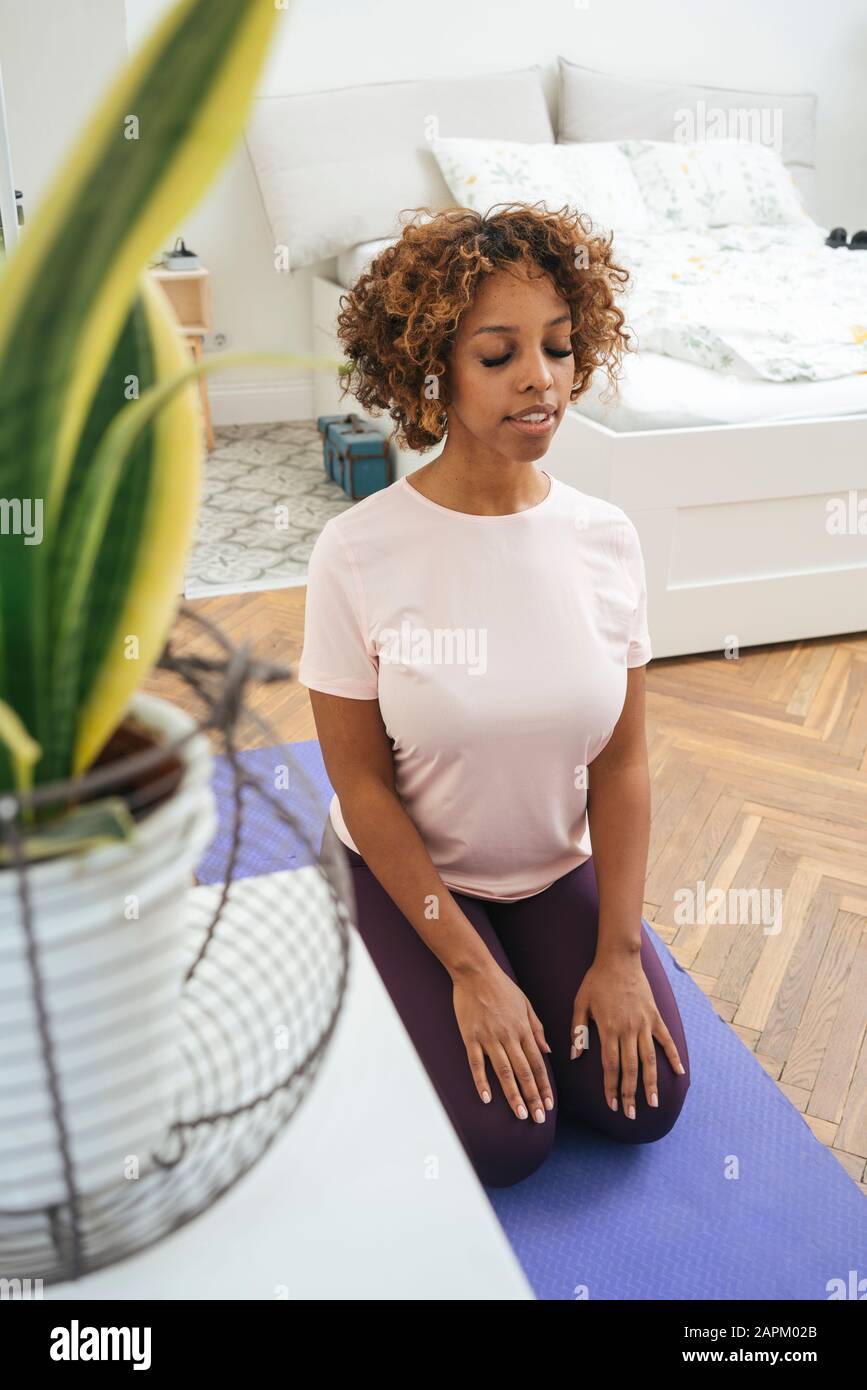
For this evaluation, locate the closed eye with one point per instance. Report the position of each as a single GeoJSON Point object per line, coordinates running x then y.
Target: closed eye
{"type": "Point", "coordinates": [498, 361]}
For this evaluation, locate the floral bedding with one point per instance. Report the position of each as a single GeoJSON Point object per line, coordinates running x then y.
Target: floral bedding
{"type": "Point", "coordinates": [765, 302]}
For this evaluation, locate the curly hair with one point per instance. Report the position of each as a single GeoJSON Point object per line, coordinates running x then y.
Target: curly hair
{"type": "Point", "coordinates": [399, 320]}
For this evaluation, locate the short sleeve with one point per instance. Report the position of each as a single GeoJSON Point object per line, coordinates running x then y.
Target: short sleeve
{"type": "Point", "coordinates": [639, 650]}
{"type": "Point", "coordinates": [336, 656]}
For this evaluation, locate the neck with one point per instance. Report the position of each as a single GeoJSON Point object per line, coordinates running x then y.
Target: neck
{"type": "Point", "coordinates": [486, 489]}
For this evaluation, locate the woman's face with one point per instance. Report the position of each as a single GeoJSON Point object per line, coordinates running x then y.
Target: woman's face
{"type": "Point", "coordinates": [512, 351]}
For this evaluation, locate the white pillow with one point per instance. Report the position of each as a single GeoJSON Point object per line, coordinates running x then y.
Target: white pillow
{"type": "Point", "coordinates": [713, 184]}
{"type": "Point", "coordinates": [592, 178]}
{"type": "Point", "coordinates": [604, 184]}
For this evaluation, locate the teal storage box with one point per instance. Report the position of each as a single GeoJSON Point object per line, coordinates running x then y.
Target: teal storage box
{"type": "Point", "coordinates": [355, 454]}
{"type": "Point", "coordinates": [328, 426]}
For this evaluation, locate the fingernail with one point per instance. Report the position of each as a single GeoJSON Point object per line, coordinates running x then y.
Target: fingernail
{"type": "Point", "coordinates": [573, 1053]}
{"type": "Point", "coordinates": [654, 1099]}
{"type": "Point", "coordinates": [681, 1069]}
{"type": "Point", "coordinates": [539, 1116]}
{"type": "Point", "coordinates": [631, 1112]}
{"type": "Point", "coordinates": [614, 1103]}
{"type": "Point", "coordinates": [522, 1112]}
{"type": "Point", "coordinates": [486, 1097]}
{"type": "Point", "coordinates": [549, 1104]}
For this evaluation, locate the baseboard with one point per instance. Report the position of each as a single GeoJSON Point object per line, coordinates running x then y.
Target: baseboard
{"type": "Point", "coordinates": [260, 402]}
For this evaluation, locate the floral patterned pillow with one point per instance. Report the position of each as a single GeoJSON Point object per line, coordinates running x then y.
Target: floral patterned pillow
{"type": "Point", "coordinates": [604, 183]}
{"type": "Point", "coordinates": [592, 178]}
{"type": "Point", "coordinates": [713, 184]}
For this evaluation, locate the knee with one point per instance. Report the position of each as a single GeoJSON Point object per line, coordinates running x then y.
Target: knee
{"type": "Point", "coordinates": [505, 1154]}
{"type": "Point", "coordinates": [654, 1122]}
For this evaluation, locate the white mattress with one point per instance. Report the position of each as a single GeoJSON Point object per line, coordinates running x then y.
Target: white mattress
{"type": "Point", "coordinates": [657, 392]}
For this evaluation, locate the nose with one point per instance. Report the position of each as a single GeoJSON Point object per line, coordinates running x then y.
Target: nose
{"type": "Point", "coordinates": [536, 371]}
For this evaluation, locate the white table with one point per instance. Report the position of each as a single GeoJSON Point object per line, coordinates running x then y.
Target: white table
{"type": "Point", "coordinates": [366, 1194]}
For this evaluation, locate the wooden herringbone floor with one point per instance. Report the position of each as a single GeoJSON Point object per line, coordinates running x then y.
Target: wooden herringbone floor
{"type": "Point", "coordinates": [759, 781]}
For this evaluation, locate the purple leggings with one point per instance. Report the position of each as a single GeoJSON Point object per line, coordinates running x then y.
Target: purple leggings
{"type": "Point", "coordinates": [546, 943]}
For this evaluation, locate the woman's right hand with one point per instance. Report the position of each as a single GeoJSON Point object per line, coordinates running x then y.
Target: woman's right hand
{"type": "Point", "coordinates": [496, 1018]}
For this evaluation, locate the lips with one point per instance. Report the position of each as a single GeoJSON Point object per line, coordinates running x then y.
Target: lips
{"type": "Point", "coordinates": [532, 428]}
{"type": "Point", "coordinates": [543, 409]}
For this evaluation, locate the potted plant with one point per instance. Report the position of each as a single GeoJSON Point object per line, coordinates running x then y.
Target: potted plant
{"type": "Point", "coordinates": [101, 451]}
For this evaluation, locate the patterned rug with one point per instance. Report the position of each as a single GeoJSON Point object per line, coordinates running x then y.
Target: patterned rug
{"type": "Point", "coordinates": [265, 499]}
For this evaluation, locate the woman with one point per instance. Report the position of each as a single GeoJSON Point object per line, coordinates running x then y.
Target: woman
{"type": "Point", "coordinates": [475, 637]}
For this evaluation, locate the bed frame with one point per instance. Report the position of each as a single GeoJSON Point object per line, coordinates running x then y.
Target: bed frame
{"type": "Point", "coordinates": [733, 520]}
{"type": "Point", "coordinates": [734, 525]}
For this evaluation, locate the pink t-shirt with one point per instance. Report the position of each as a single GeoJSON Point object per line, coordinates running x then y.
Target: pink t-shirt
{"type": "Point", "coordinates": [497, 647]}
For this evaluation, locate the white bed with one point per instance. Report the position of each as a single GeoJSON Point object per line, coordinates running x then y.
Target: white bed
{"type": "Point", "coordinates": [656, 392]}
{"type": "Point", "coordinates": [725, 476]}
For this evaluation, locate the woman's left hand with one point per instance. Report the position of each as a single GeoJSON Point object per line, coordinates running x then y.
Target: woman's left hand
{"type": "Point", "coordinates": [616, 993]}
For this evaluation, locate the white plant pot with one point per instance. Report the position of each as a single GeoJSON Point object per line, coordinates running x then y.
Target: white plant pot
{"type": "Point", "coordinates": [112, 983]}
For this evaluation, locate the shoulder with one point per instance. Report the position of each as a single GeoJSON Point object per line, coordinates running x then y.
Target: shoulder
{"type": "Point", "coordinates": [609, 541]}
{"type": "Point", "coordinates": [602, 522]}
{"type": "Point", "coordinates": [365, 521]}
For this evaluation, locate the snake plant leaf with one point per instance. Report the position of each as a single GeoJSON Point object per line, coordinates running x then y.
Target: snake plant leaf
{"type": "Point", "coordinates": [21, 749]}
{"type": "Point", "coordinates": [124, 584]}
{"type": "Point", "coordinates": [66, 307]}
{"type": "Point", "coordinates": [90, 826]}
{"type": "Point", "coordinates": [143, 609]}
{"type": "Point", "coordinates": [104, 578]}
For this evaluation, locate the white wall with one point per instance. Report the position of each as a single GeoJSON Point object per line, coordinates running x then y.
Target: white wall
{"type": "Point", "coordinates": [59, 51]}
{"type": "Point", "coordinates": [57, 56]}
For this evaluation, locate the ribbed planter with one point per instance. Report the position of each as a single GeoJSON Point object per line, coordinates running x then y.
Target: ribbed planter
{"type": "Point", "coordinates": [110, 948]}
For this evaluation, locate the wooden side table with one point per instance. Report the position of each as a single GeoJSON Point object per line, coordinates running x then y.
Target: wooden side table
{"type": "Point", "coordinates": [189, 293]}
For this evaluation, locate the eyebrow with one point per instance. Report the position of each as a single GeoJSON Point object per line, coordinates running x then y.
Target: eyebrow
{"type": "Point", "coordinates": [510, 327]}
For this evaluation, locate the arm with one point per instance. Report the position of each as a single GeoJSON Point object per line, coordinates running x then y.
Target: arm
{"type": "Point", "coordinates": [356, 751]}
{"type": "Point", "coordinates": [494, 1016]}
{"type": "Point", "coordinates": [618, 810]}
{"type": "Point", "coordinates": [615, 991]}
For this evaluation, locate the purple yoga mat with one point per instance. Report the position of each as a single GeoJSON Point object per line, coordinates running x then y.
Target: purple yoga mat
{"type": "Point", "coordinates": [267, 843]}
{"type": "Point", "coordinates": [668, 1220]}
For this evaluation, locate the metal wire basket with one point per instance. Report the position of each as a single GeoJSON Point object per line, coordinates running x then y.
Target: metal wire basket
{"type": "Point", "coordinates": [157, 1033]}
